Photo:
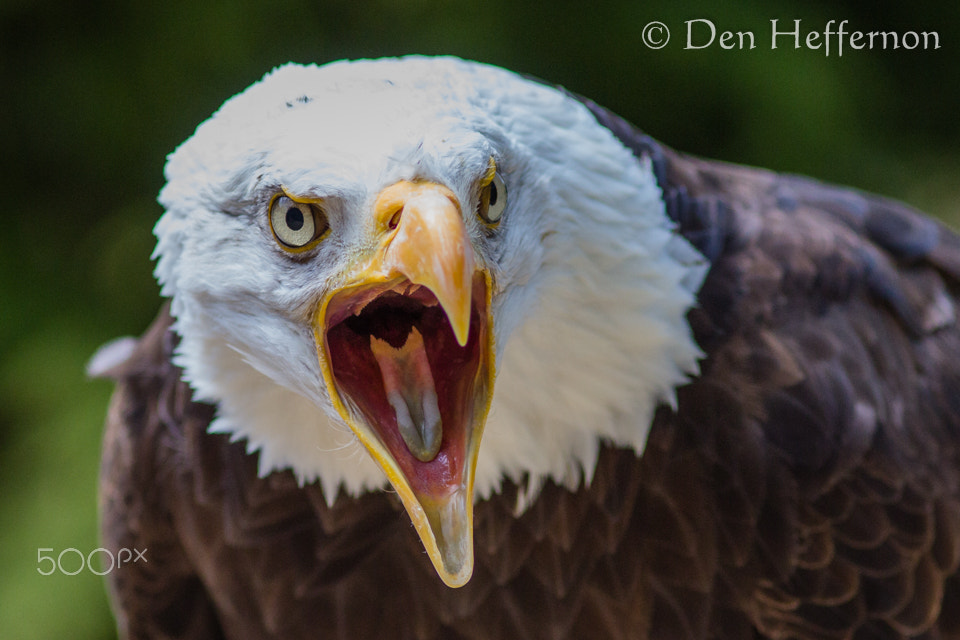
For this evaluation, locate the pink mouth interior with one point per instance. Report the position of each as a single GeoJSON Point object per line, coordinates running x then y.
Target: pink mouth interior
{"type": "Point", "coordinates": [390, 314]}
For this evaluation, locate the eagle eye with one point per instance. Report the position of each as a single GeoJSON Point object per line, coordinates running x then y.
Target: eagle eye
{"type": "Point", "coordinates": [296, 225]}
{"type": "Point", "coordinates": [493, 200]}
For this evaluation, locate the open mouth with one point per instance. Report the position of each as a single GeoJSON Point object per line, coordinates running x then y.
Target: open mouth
{"type": "Point", "coordinates": [405, 346]}
{"type": "Point", "coordinates": [399, 369]}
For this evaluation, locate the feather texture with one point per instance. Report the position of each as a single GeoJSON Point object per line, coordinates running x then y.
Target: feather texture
{"type": "Point", "coordinates": [806, 484]}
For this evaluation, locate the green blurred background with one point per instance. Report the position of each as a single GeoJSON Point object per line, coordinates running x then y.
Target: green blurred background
{"type": "Point", "coordinates": [95, 94]}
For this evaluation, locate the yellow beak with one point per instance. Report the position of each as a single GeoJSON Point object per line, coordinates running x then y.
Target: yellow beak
{"type": "Point", "coordinates": [431, 246]}
{"type": "Point", "coordinates": [406, 349]}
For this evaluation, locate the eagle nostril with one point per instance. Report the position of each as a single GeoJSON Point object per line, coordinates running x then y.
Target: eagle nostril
{"type": "Point", "coordinates": [395, 219]}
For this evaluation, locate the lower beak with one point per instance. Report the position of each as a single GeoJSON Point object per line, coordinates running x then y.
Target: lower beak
{"type": "Point", "coordinates": [406, 349]}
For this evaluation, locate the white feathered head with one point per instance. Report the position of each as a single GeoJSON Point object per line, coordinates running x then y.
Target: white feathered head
{"type": "Point", "coordinates": [373, 264]}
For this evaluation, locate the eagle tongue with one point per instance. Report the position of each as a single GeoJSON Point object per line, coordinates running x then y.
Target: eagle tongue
{"type": "Point", "coordinates": [410, 390]}
{"type": "Point", "coordinates": [443, 514]}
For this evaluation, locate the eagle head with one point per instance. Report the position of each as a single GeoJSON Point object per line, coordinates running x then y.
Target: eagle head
{"type": "Point", "coordinates": [424, 271]}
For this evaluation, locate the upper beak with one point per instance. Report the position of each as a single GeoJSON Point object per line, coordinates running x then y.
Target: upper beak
{"type": "Point", "coordinates": [431, 246]}
{"type": "Point", "coordinates": [406, 349]}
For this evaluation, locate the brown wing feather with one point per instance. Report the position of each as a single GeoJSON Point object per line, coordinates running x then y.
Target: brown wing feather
{"type": "Point", "coordinates": [830, 324]}
{"type": "Point", "coordinates": [161, 596]}
{"type": "Point", "coordinates": [805, 487]}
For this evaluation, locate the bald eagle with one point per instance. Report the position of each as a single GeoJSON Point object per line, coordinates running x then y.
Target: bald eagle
{"type": "Point", "coordinates": [452, 353]}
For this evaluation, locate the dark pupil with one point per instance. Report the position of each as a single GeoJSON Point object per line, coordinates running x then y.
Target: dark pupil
{"type": "Point", "coordinates": [294, 219]}
{"type": "Point", "coordinates": [493, 194]}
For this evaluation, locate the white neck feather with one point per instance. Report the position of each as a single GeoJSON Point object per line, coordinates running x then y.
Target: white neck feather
{"type": "Point", "coordinates": [604, 343]}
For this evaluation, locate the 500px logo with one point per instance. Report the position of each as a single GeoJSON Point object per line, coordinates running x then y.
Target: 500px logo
{"type": "Point", "coordinates": [66, 560]}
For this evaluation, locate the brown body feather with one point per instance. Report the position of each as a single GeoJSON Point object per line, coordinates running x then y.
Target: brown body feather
{"type": "Point", "coordinates": [806, 486]}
